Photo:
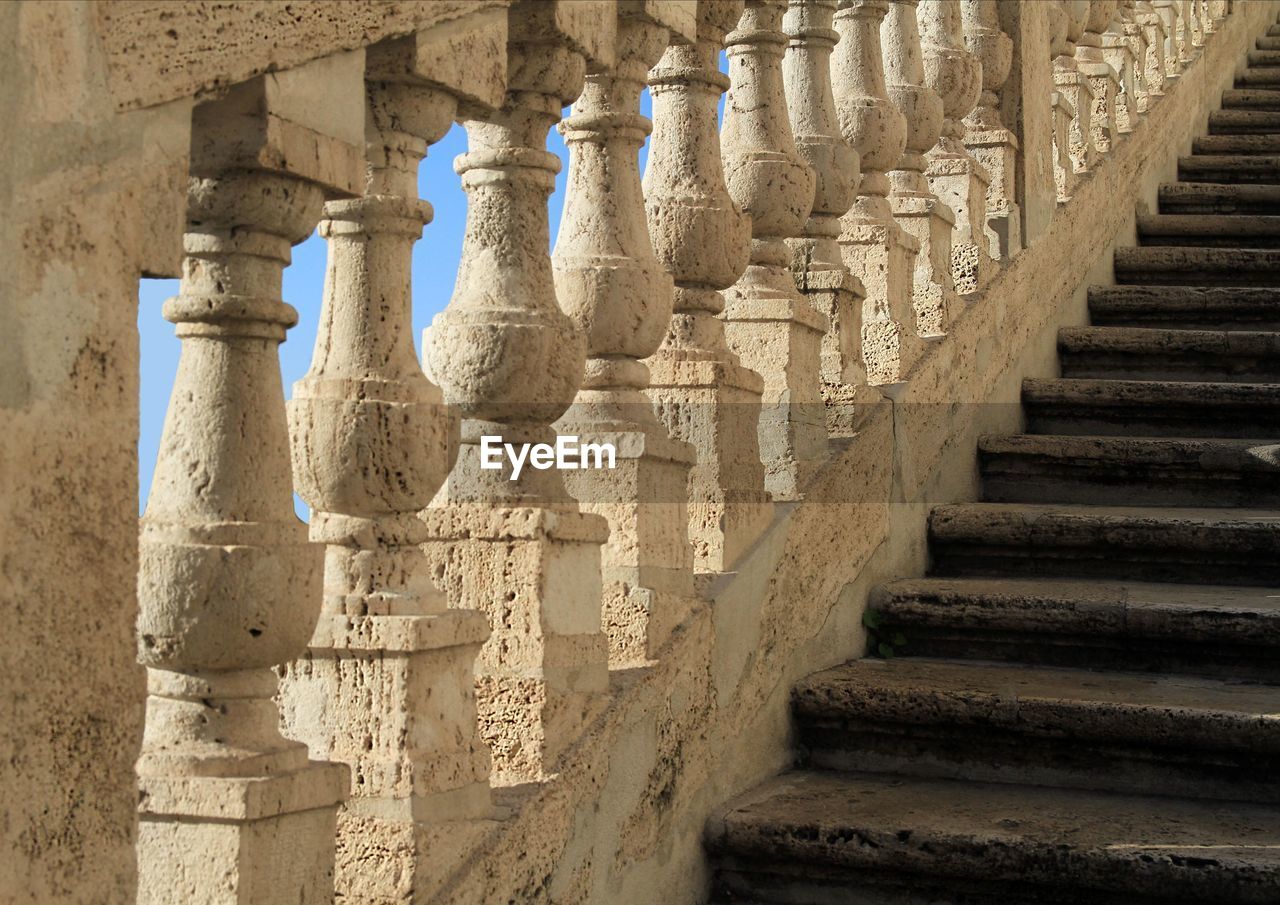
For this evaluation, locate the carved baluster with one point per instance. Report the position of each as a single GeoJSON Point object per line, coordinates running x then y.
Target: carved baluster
{"type": "Point", "coordinates": [509, 361]}
{"type": "Point", "coordinates": [915, 207]}
{"type": "Point", "coordinates": [702, 392]}
{"type": "Point", "coordinates": [229, 587]}
{"type": "Point", "coordinates": [1195, 25]}
{"type": "Point", "coordinates": [609, 281]}
{"type": "Point", "coordinates": [1169, 12]}
{"type": "Point", "coordinates": [1123, 46]}
{"type": "Point", "coordinates": [1063, 108]}
{"type": "Point", "coordinates": [387, 687]}
{"type": "Point", "coordinates": [1069, 80]}
{"type": "Point", "coordinates": [985, 134]}
{"type": "Point", "coordinates": [774, 329]}
{"type": "Point", "coordinates": [874, 246]}
{"type": "Point", "coordinates": [954, 174]}
{"type": "Point", "coordinates": [1104, 81]}
{"type": "Point", "coordinates": [1153, 66]}
{"type": "Point", "coordinates": [819, 270]}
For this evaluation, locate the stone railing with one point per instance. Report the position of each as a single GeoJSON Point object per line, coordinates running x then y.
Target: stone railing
{"type": "Point", "coordinates": [382, 693]}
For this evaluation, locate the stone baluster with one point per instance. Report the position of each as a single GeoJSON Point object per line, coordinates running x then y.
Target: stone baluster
{"type": "Point", "coordinates": [958, 179]}
{"type": "Point", "coordinates": [916, 208]}
{"type": "Point", "coordinates": [1169, 12]}
{"type": "Point", "coordinates": [229, 587]}
{"type": "Point", "coordinates": [702, 392]}
{"type": "Point", "coordinates": [1061, 101]}
{"type": "Point", "coordinates": [1195, 25]}
{"type": "Point", "coordinates": [985, 135]}
{"type": "Point", "coordinates": [1123, 46]}
{"type": "Point", "coordinates": [387, 686]}
{"type": "Point", "coordinates": [1153, 66]}
{"type": "Point", "coordinates": [775, 330]}
{"type": "Point", "coordinates": [874, 247]}
{"type": "Point", "coordinates": [1215, 13]}
{"type": "Point", "coordinates": [1076, 86]}
{"type": "Point", "coordinates": [1104, 81]}
{"type": "Point", "coordinates": [816, 263]}
{"type": "Point", "coordinates": [611, 284]}
{"type": "Point", "coordinates": [511, 542]}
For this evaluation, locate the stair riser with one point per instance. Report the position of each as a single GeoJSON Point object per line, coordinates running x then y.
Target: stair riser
{"type": "Point", "coordinates": [1017, 480]}
{"type": "Point", "coordinates": [1229, 175]}
{"type": "Point", "coordinates": [1147, 562]}
{"type": "Point", "coordinates": [1173, 420]}
{"type": "Point", "coordinates": [1251, 99]}
{"type": "Point", "coordinates": [1204, 240]}
{"type": "Point", "coordinates": [1210, 272]}
{"type": "Point", "coordinates": [1210, 198]}
{"type": "Point", "coordinates": [763, 881]}
{"type": "Point", "coordinates": [1090, 651]}
{"type": "Point", "coordinates": [985, 753]}
{"type": "Point", "coordinates": [1173, 366]}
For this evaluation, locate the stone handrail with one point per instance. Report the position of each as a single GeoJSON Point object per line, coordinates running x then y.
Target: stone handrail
{"type": "Point", "coordinates": [450, 643]}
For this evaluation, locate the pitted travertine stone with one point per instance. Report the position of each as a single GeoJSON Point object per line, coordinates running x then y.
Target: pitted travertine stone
{"type": "Point", "coordinates": [993, 145]}
{"type": "Point", "coordinates": [229, 587]}
{"type": "Point", "coordinates": [509, 361]}
{"type": "Point", "coordinates": [1170, 12]}
{"type": "Point", "coordinates": [1075, 85]}
{"type": "Point", "coordinates": [702, 393]}
{"type": "Point", "coordinates": [875, 248]}
{"type": "Point", "coordinates": [1104, 81]}
{"type": "Point", "coordinates": [774, 329]}
{"type": "Point", "coordinates": [387, 686]}
{"type": "Point", "coordinates": [927, 219]}
{"type": "Point", "coordinates": [816, 263]}
{"type": "Point", "coordinates": [610, 283]}
{"type": "Point", "coordinates": [954, 175]}
{"type": "Point", "coordinates": [1123, 44]}
{"type": "Point", "coordinates": [1152, 67]}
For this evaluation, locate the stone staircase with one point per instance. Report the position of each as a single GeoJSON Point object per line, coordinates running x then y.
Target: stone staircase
{"type": "Point", "coordinates": [1087, 706]}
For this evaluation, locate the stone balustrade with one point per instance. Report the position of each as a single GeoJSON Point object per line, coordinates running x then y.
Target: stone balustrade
{"type": "Point", "coordinates": [449, 629]}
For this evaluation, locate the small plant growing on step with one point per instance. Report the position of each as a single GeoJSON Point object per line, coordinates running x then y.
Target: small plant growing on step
{"type": "Point", "coordinates": [881, 641]}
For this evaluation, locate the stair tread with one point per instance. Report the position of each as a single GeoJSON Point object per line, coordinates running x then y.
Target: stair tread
{"type": "Point", "coordinates": [1096, 390]}
{"type": "Point", "coordinates": [1209, 224]}
{"type": "Point", "coordinates": [1027, 834]}
{"type": "Point", "coordinates": [1145, 604]}
{"type": "Point", "coordinates": [1157, 340]}
{"type": "Point", "coordinates": [1244, 713]}
{"type": "Point", "coordinates": [1261, 521]}
{"type": "Point", "coordinates": [1259, 455]}
{"type": "Point", "coordinates": [1237, 144]}
{"type": "Point", "coordinates": [1216, 307]}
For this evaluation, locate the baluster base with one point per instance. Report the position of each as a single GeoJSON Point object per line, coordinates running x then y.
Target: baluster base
{"type": "Point", "coordinates": [535, 574]}
{"type": "Point", "coordinates": [884, 255]}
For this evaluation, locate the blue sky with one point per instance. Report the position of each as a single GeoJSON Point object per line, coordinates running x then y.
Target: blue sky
{"type": "Point", "coordinates": [435, 263]}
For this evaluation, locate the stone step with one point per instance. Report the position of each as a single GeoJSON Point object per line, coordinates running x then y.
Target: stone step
{"type": "Point", "coordinates": [1188, 307]}
{"type": "Point", "coordinates": [1151, 408]}
{"type": "Point", "coordinates": [1259, 76]}
{"type": "Point", "coordinates": [1213, 198]}
{"type": "Point", "coordinates": [1148, 353]}
{"type": "Point", "coordinates": [820, 838]}
{"type": "Point", "coordinates": [1251, 99]}
{"type": "Point", "coordinates": [1195, 266]}
{"type": "Point", "coordinates": [1210, 230]}
{"type": "Point", "coordinates": [1236, 144]}
{"type": "Point", "coordinates": [1129, 471]}
{"type": "Point", "coordinates": [1129, 543]}
{"type": "Point", "coordinates": [1265, 57]}
{"type": "Point", "coordinates": [1050, 726]}
{"type": "Point", "coordinates": [1210, 630]}
{"type": "Point", "coordinates": [1268, 43]}
{"type": "Point", "coordinates": [1232, 169]}
{"type": "Point", "coordinates": [1243, 122]}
